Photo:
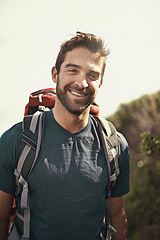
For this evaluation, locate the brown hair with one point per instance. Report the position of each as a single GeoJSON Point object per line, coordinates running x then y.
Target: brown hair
{"type": "Point", "coordinates": [90, 41]}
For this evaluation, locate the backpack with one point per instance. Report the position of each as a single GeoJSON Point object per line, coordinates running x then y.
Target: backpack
{"type": "Point", "coordinates": [44, 100]}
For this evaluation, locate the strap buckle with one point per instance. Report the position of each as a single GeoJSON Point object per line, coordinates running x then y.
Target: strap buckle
{"type": "Point", "coordinates": [17, 173]}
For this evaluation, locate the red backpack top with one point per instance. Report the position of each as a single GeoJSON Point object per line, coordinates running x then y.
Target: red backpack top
{"type": "Point", "coordinates": [46, 97]}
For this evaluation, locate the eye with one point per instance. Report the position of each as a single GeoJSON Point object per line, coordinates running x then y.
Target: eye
{"type": "Point", "coordinates": [72, 70]}
{"type": "Point", "coordinates": [92, 77]}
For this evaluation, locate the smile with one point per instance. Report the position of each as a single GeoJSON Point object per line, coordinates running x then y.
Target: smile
{"type": "Point", "coordinates": [78, 94]}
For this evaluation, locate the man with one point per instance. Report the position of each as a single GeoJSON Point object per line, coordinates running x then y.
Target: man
{"type": "Point", "coordinates": [67, 186]}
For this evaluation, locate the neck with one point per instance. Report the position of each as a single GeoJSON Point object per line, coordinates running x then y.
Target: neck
{"type": "Point", "coordinates": [71, 122]}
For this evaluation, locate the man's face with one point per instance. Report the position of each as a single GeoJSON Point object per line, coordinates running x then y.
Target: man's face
{"type": "Point", "coordinates": [79, 79]}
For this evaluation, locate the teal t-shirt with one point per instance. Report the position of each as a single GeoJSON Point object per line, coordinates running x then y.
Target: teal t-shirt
{"type": "Point", "coordinates": [67, 186]}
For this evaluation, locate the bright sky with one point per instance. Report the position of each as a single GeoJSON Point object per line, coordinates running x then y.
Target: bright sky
{"type": "Point", "coordinates": [31, 32]}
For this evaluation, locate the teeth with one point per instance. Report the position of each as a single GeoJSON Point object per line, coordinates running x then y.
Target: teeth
{"type": "Point", "coordinates": [78, 94]}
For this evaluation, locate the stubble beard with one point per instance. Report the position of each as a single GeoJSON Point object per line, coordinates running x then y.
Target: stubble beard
{"type": "Point", "coordinates": [78, 106]}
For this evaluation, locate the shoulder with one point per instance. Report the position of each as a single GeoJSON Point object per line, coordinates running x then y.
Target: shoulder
{"type": "Point", "coordinates": [9, 153]}
{"type": "Point", "coordinates": [121, 186]}
{"type": "Point", "coordinates": [123, 146]}
{"type": "Point", "coordinates": [12, 134]}
{"type": "Point", "coordinates": [117, 140]}
{"type": "Point", "coordinates": [10, 140]}
{"type": "Point", "coordinates": [111, 131]}
{"type": "Point", "coordinates": [122, 140]}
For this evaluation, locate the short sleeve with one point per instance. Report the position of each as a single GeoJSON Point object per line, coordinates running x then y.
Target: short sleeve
{"type": "Point", "coordinates": [9, 151]}
{"type": "Point", "coordinates": [121, 186]}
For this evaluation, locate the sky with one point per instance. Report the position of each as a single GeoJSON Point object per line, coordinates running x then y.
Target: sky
{"type": "Point", "coordinates": [31, 32]}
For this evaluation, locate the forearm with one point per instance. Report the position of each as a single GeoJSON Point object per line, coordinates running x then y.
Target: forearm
{"type": "Point", "coordinates": [120, 224]}
{"type": "Point", "coordinates": [119, 218]}
{"type": "Point", "coordinates": [3, 230]}
{"type": "Point", "coordinates": [6, 201]}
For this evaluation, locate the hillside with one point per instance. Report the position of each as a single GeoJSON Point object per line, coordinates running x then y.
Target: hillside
{"type": "Point", "coordinates": [139, 121]}
{"type": "Point", "coordinates": [136, 117]}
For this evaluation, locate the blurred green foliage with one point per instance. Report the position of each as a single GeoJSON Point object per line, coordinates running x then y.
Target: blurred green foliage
{"type": "Point", "coordinates": [150, 144]}
{"type": "Point", "coordinates": [139, 121]}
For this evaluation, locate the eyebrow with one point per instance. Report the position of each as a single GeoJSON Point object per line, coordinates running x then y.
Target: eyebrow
{"type": "Point", "coordinates": [73, 65]}
{"type": "Point", "coordinates": [94, 72]}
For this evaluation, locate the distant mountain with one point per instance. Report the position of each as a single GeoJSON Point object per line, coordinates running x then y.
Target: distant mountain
{"type": "Point", "coordinates": [136, 117]}
{"type": "Point", "coordinates": [142, 202]}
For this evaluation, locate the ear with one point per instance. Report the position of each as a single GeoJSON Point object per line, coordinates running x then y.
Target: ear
{"type": "Point", "coordinates": [54, 74]}
{"type": "Point", "coordinates": [101, 82]}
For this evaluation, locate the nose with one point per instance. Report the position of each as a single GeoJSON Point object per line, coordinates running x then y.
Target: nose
{"type": "Point", "coordinates": [82, 82]}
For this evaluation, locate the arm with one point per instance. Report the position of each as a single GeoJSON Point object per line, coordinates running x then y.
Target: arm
{"type": "Point", "coordinates": [6, 201]}
{"type": "Point", "coordinates": [119, 217]}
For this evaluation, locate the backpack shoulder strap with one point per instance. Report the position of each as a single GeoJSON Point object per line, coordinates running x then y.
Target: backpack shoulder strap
{"type": "Point", "coordinates": [31, 141]}
{"type": "Point", "coordinates": [110, 144]}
